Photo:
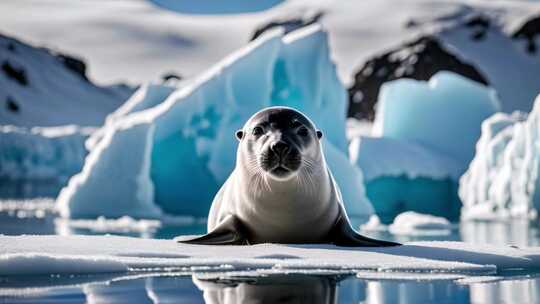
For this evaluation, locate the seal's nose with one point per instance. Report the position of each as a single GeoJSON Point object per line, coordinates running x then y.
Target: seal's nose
{"type": "Point", "coordinates": [280, 148]}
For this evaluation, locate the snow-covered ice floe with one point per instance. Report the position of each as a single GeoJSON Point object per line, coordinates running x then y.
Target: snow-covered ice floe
{"type": "Point", "coordinates": [38, 255]}
{"type": "Point", "coordinates": [170, 150]}
{"type": "Point", "coordinates": [412, 224]}
{"type": "Point", "coordinates": [423, 139]}
{"type": "Point", "coordinates": [502, 180]}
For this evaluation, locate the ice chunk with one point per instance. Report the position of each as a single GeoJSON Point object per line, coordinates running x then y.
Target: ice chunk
{"type": "Point", "coordinates": [101, 190]}
{"type": "Point", "coordinates": [413, 223]}
{"type": "Point", "coordinates": [42, 153]}
{"type": "Point", "coordinates": [443, 114]}
{"type": "Point", "coordinates": [191, 149]}
{"type": "Point", "coordinates": [384, 157]}
{"type": "Point", "coordinates": [426, 136]}
{"type": "Point", "coordinates": [502, 180]}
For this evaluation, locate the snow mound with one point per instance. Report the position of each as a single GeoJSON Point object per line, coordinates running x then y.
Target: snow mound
{"type": "Point", "coordinates": [173, 155]}
{"type": "Point", "coordinates": [502, 180]}
{"type": "Point", "coordinates": [443, 114]}
{"type": "Point", "coordinates": [42, 88]}
{"type": "Point", "coordinates": [42, 153]}
{"type": "Point", "coordinates": [60, 254]}
{"type": "Point", "coordinates": [413, 223]}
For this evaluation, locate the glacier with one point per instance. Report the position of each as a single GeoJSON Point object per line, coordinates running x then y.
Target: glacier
{"type": "Point", "coordinates": [168, 151]}
{"type": "Point", "coordinates": [422, 141]}
{"type": "Point", "coordinates": [502, 180]}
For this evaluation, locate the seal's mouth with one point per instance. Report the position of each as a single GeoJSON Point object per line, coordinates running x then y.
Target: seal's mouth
{"type": "Point", "coordinates": [280, 170]}
{"type": "Point", "coordinates": [280, 166]}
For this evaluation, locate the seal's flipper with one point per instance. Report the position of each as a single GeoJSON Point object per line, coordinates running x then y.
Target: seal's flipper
{"type": "Point", "coordinates": [228, 232]}
{"type": "Point", "coordinates": [342, 234]}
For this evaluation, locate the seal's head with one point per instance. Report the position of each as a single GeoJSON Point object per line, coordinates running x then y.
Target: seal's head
{"type": "Point", "coordinates": [279, 141]}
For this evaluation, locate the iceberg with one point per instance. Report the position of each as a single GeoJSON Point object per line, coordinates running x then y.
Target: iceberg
{"type": "Point", "coordinates": [422, 140]}
{"type": "Point", "coordinates": [46, 154]}
{"type": "Point", "coordinates": [168, 151]}
{"type": "Point", "coordinates": [502, 180]}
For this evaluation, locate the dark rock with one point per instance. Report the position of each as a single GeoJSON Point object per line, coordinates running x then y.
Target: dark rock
{"type": "Point", "coordinates": [289, 24]}
{"type": "Point", "coordinates": [479, 25]}
{"type": "Point", "coordinates": [528, 32]}
{"type": "Point", "coordinates": [73, 64]}
{"type": "Point", "coordinates": [170, 76]}
{"type": "Point", "coordinates": [419, 59]}
{"type": "Point", "coordinates": [11, 105]}
{"type": "Point", "coordinates": [14, 73]}
{"type": "Point", "coordinates": [11, 47]}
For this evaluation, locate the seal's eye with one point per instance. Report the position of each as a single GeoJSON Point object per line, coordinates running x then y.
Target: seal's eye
{"type": "Point", "coordinates": [303, 131]}
{"type": "Point", "coordinates": [257, 131]}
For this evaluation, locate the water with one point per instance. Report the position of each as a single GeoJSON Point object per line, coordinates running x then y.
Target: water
{"type": "Point", "coordinates": [39, 217]}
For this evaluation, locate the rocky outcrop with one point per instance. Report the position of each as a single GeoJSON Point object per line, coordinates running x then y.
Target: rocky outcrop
{"type": "Point", "coordinates": [419, 59]}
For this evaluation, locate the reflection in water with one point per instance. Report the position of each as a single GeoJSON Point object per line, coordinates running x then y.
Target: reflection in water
{"type": "Point", "coordinates": [272, 289]}
{"type": "Point", "coordinates": [517, 232]}
{"type": "Point", "coordinates": [519, 291]}
{"type": "Point", "coordinates": [379, 292]}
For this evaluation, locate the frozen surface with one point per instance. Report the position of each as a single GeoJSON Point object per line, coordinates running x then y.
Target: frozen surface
{"type": "Point", "coordinates": [171, 156]}
{"type": "Point", "coordinates": [443, 114]}
{"type": "Point", "coordinates": [57, 254]}
{"type": "Point", "coordinates": [502, 180]}
{"type": "Point", "coordinates": [42, 153]}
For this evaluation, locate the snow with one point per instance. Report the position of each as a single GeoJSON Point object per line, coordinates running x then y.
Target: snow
{"type": "Point", "coordinates": [502, 179]}
{"type": "Point", "coordinates": [42, 152]}
{"type": "Point", "coordinates": [122, 35]}
{"type": "Point", "coordinates": [443, 114]}
{"type": "Point", "coordinates": [47, 93]}
{"type": "Point", "coordinates": [62, 254]}
{"type": "Point", "coordinates": [171, 156]}
{"type": "Point", "coordinates": [413, 223]}
{"type": "Point", "coordinates": [509, 70]}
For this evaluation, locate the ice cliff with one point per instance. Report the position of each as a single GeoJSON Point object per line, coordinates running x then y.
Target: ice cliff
{"type": "Point", "coordinates": [502, 180]}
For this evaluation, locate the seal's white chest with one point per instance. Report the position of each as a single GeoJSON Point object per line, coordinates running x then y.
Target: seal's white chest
{"type": "Point", "coordinates": [293, 225]}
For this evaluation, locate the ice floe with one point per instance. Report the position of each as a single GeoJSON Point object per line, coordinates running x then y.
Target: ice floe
{"type": "Point", "coordinates": [61, 254]}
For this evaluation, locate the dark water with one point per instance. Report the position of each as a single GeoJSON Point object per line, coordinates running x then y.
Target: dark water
{"type": "Point", "coordinates": [39, 217]}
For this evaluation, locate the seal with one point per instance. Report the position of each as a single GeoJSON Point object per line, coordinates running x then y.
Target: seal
{"type": "Point", "coordinates": [281, 190]}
